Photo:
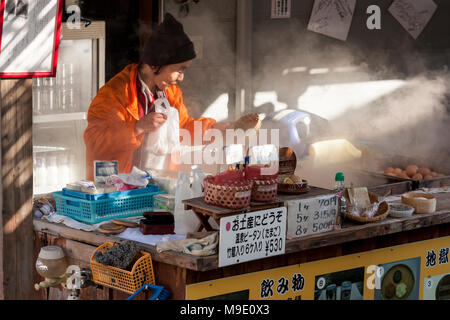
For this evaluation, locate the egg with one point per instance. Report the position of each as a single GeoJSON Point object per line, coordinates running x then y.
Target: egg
{"type": "Point", "coordinates": [417, 176]}
{"type": "Point", "coordinates": [389, 170]}
{"type": "Point", "coordinates": [424, 171]}
{"type": "Point", "coordinates": [398, 171]}
{"type": "Point", "coordinates": [391, 174]}
{"type": "Point", "coordinates": [404, 175]}
{"type": "Point", "coordinates": [411, 170]}
{"type": "Point", "coordinates": [434, 174]}
{"type": "Point", "coordinates": [428, 176]}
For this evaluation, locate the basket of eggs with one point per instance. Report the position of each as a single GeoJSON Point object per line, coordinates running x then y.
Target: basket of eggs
{"type": "Point", "coordinates": [288, 182]}
{"type": "Point", "coordinates": [412, 172]}
{"type": "Point", "coordinates": [230, 189]}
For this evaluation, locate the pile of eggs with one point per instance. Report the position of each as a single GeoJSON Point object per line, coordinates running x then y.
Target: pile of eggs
{"type": "Point", "coordinates": [412, 172]}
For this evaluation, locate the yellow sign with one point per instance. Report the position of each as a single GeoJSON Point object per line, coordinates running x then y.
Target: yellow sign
{"type": "Point", "coordinates": [416, 271]}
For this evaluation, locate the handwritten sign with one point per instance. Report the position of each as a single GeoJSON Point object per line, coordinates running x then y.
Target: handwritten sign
{"type": "Point", "coordinates": [252, 236]}
{"type": "Point", "coordinates": [413, 15]}
{"type": "Point", "coordinates": [263, 154]}
{"type": "Point", "coordinates": [234, 154]}
{"type": "Point", "coordinates": [29, 35]}
{"type": "Point", "coordinates": [332, 18]}
{"type": "Point", "coordinates": [309, 216]}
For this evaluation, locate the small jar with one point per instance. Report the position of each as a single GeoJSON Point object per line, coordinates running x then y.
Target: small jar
{"type": "Point", "coordinates": [51, 262]}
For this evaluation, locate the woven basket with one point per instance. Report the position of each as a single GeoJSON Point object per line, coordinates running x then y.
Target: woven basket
{"type": "Point", "coordinates": [232, 196]}
{"type": "Point", "coordinates": [420, 205]}
{"type": "Point", "coordinates": [294, 188]}
{"type": "Point", "coordinates": [265, 190]}
{"type": "Point", "coordinates": [381, 214]}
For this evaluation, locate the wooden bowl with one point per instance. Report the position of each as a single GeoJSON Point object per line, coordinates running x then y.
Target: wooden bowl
{"type": "Point", "coordinates": [427, 205]}
{"type": "Point", "coordinates": [382, 212]}
{"type": "Point", "coordinates": [294, 188]}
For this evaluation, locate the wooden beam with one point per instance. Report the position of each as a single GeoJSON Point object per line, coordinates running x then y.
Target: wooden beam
{"type": "Point", "coordinates": [17, 183]}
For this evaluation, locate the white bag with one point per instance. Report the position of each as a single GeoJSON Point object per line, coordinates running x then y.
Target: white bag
{"type": "Point", "coordinates": [185, 220]}
{"type": "Point", "coordinates": [166, 139]}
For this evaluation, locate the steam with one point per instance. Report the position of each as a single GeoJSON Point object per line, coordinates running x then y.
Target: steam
{"type": "Point", "coordinates": [386, 102]}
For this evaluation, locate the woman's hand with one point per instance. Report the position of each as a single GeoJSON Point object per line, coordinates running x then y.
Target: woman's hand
{"type": "Point", "coordinates": [149, 123]}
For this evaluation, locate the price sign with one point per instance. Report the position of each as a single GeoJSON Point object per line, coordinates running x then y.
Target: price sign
{"type": "Point", "coordinates": [234, 154]}
{"type": "Point", "coordinates": [252, 236]}
{"type": "Point", "coordinates": [314, 215]}
{"type": "Point", "coordinates": [263, 154]}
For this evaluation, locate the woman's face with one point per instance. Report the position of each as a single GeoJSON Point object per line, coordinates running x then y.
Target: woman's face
{"type": "Point", "coordinates": [171, 74]}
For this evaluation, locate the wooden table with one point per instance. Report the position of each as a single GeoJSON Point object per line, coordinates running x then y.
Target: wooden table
{"type": "Point", "coordinates": [175, 270]}
{"type": "Point", "coordinates": [205, 211]}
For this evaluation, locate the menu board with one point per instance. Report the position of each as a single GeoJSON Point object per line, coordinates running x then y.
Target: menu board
{"type": "Point", "coordinates": [413, 15]}
{"type": "Point", "coordinates": [30, 32]}
{"type": "Point", "coordinates": [312, 215]}
{"type": "Point", "coordinates": [252, 236]}
{"type": "Point", "coordinates": [332, 17]}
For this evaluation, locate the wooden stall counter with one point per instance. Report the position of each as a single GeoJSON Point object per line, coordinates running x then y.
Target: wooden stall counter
{"type": "Point", "coordinates": [176, 271]}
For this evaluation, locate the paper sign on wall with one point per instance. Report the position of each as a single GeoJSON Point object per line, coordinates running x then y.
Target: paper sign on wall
{"type": "Point", "coordinates": [413, 15]}
{"type": "Point", "coordinates": [313, 215]}
{"type": "Point", "coordinates": [332, 17]}
{"type": "Point", "coordinates": [252, 236]}
{"type": "Point", "coordinates": [29, 36]}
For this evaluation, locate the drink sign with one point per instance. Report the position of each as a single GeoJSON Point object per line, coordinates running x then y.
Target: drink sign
{"type": "Point", "coordinates": [252, 236]}
{"type": "Point", "coordinates": [313, 215]}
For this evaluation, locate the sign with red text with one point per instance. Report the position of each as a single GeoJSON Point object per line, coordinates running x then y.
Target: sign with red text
{"type": "Point", "coordinates": [252, 236]}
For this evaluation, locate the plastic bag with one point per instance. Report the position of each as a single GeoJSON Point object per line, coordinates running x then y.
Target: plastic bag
{"type": "Point", "coordinates": [185, 220]}
{"type": "Point", "coordinates": [166, 139]}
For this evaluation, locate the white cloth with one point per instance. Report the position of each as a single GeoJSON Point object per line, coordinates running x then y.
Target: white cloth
{"type": "Point", "coordinates": [71, 223]}
{"type": "Point", "coordinates": [152, 239]}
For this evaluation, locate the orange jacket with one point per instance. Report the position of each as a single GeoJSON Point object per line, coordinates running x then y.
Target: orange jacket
{"type": "Point", "coordinates": [112, 117]}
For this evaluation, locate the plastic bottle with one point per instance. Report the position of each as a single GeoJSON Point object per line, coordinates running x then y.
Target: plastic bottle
{"type": "Point", "coordinates": [340, 189]}
{"type": "Point", "coordinates": [37, 96]}
{"type": "Point", "coordinates": [63, 169]}
{"type": "Point", "coordinates": [52, 170]}
{"type": "Point", "coordinates": [41, 172]}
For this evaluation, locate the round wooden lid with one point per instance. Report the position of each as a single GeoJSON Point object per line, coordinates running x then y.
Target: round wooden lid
{"type": "Point", "coordinates": [111, 228]}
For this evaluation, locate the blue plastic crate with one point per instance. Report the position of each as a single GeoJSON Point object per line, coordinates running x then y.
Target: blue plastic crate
{"type": "Point", "coordinates": [101, 196]}
{"type": "Point", "coordinates": [114, 206]}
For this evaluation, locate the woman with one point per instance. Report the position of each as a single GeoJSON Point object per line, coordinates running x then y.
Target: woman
{"type": "Point", "coordinates": [122, 116]}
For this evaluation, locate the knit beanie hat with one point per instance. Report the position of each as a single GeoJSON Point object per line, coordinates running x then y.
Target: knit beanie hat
{"type": "Point", "coordinates": [168, 44]}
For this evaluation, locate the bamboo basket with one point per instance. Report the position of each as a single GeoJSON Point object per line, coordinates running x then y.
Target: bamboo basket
{"type": "Point", "coordinates": [420, 205]}
{"type": "Point", "coordinates": [235, 196]}
{"type": "Point", "coordinates": [381, 214]}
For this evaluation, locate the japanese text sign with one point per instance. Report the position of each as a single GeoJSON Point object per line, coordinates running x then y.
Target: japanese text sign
{"type": "Point", "coordinates": [252, 236]}
{"type": "Point", "coordinates": [313, 215]}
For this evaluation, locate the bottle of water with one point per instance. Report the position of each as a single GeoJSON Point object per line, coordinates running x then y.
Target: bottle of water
{"type": "Point", "coordinates": [37, 96]}
{"type": "Point", "coordinates": [340, 190]}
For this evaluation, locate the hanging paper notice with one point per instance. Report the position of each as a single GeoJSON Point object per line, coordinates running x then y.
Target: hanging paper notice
{"type": "Point", "coordinates": [413, 15]}
{"type": "Point", "coordinates": [252, 236]}
{"type": "Point", "coordinates": [29, 37]}
{"type": "Point", "coordinates": [313, 215]}
{"type": "Point", "coordinates": [332, 18]}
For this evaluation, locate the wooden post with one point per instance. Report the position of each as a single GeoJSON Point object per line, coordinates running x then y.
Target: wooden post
{"type": "Point", "coordinates": [17, 189]}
